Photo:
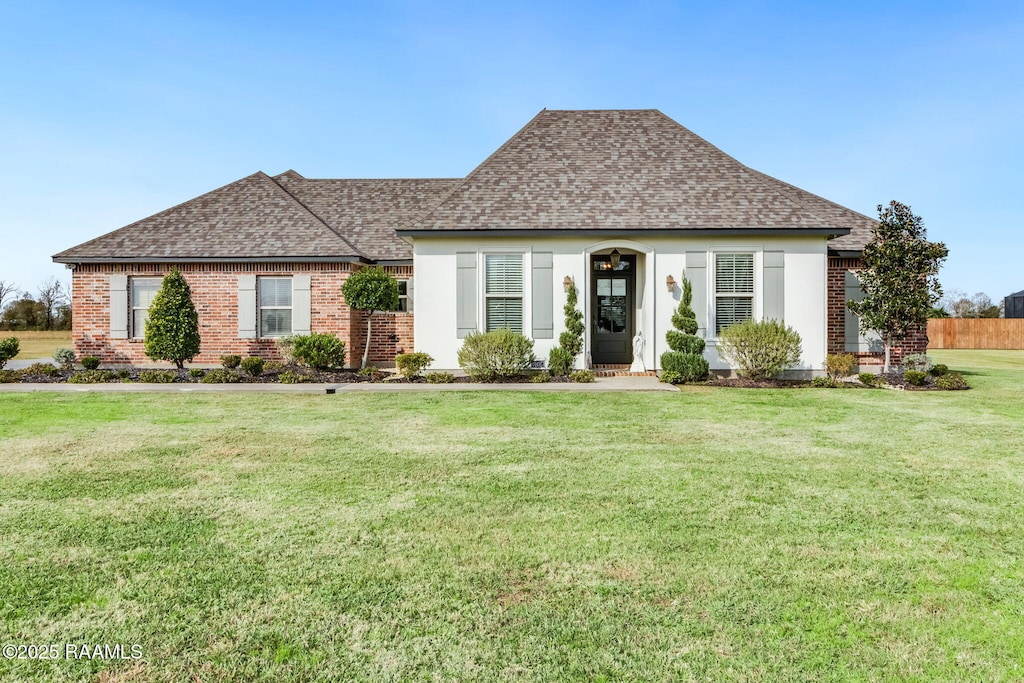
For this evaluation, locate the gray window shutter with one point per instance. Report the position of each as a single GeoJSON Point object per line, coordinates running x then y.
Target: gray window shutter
{"type": "Point", "coordinates": [697, 274]}
{"type": "Point", "coordinates": [465, 293]}
{"type": "Point", "coordinates": [774, 302]}
{"type": "Point", "coordinates": [118, 306]}
{"type": "Point", "coordinates": [409, 293]}
{"type": "Point", "coordinates": [247, 306]}
{"type": "Point", "coordinates": [301, 304]}
{"type": "Point", "coordinates": [543, 297]}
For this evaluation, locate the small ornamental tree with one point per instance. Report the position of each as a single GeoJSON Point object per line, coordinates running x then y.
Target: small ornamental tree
{"type": "Point", "coordinates": [900, 278]}
{"type": "Point", "coordinates": [685, 362]}
{"type": "Point", "coordinates": [172, 328]}
{"type": "Point", "coordinates": [570, 343]}
{"type": "Point", "coordinates": [371, 290]}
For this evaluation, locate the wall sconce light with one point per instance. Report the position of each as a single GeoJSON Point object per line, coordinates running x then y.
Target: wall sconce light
{"type": "Point", "coordinates": [670, 282]}
{"type": "Point", "coordinates": [567, 282]}
{"type": "Point", "coordinates": [616, 259]}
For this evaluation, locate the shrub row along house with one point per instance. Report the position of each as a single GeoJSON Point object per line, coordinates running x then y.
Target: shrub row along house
{"type": "Point", "coordinates": [623, 203]}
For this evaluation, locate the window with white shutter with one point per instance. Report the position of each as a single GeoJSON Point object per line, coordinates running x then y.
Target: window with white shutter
{"type": "Point", "coordinates": [503, 291]}
{"type": "Point", "coordinates": [734, 289]}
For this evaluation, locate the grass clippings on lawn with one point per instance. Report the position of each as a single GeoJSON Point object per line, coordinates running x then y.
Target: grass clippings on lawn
{"type": "Point", "coordinates": [709, 534]}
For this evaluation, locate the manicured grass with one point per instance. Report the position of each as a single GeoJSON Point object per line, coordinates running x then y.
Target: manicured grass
{"type": "Point", "coordinates": [710, 534]}
{"type": "Point", "coordinates": [38, 344]}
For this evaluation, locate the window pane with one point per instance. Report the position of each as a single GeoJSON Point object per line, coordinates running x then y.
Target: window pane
{"type": "Point", "coordinates": [731, 309]}
{"type": "Point", "coordinates": [139, 317]}
{"type": "Point", "coordinates": [504, 273]}
{"type": "Point", "coordinates": [143, 291]}
{"type": "Point", "coordinates": [504, 314]}
{"type": "Point", "coordinates": [275, 322]}
{"type": "Point", "coordinates": [275, 291]}
{"type": "Point", "coordinates": [734, 273]}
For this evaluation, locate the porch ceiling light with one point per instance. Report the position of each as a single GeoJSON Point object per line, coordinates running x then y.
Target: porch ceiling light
{"type": "Point", "coordinates": [616, 259]}
{"type": "Point", "coordinates": [567, 282]}
{"type": "Point", "coordinates": [670, 282]}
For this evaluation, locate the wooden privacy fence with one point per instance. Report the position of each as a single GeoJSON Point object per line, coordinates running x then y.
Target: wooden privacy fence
{"type": "Point", "coordinates": [976, 333]}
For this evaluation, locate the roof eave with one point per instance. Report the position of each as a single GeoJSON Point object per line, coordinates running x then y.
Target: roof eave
{"type": "Point", "coordinates": [725, 232]}
{"type": "Point", "coordinates": [212, 259]}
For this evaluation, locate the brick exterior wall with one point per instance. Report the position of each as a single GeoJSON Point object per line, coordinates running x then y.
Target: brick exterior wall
{"type": "Point", "coordinates": [215, 294]}
{"type": "Point", "coordinates": [916, 342]}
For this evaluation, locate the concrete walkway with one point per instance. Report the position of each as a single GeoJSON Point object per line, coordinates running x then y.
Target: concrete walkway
{"type": "Point", "coordinates": [600, 384]}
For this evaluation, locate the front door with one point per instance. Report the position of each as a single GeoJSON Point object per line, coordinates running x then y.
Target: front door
{"type": "Point", "coordinates": [612, 308]}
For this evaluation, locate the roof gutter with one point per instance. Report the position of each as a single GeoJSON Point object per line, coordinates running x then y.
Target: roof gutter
{"type": "Point", "coordinates": [262, 259]}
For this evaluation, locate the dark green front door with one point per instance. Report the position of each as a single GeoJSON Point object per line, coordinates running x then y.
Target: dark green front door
{"type": "Point", "coordinates": [612, 308]}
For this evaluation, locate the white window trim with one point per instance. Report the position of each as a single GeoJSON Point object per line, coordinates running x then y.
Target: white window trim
{"type": "Point", "coordinates": [260, 307]}
{"type": "Point", "coordinates": [758, 307]}
{"type": "Point", "coordinates": [527, 293]}
{"type": "Point", "coordinates": [132, 332]}
{"type": "Point", "coordinates": [403, 297]}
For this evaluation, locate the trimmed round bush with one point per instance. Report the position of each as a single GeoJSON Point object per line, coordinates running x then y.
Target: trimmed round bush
{"type": "Point", "coordinates": [689, 367]}
{"type": "Point", "coordinates": [868, 379]}
{"type": "Point", "coordinates": [92, 376]}
{"type": "Point", "coordinates": [230, 360]}
{"type": "Point", "coordinates": [221, 376]}
{"type": "Point", "coordinates": [917, 361]}
{"type": "Point", "coordinates": [840, 364]}
{"type": "Point", "coordinates": [158, 376]}
{"type": "Point", "coordinates": [581, 376]}
{"type": "Point", "coordinates": [412, 365]}
{"type": "Point", "coordinates": [939, 370]}
{"type": "Point", "coordinates": [760, 350]}
{"type": "Point", "coordinates": [9, 348]}
{"type": "Point", "coordinates": [440, 378]}
{"type": "Point", "coordinates": [488, 356]}
{"type": "Point", "coordinates": [90, 362]}
{"type": "Point", "coordinates": [252, 366]}
{"type": "Point", "coordinates": [196, 373]}
{"type": "Point", "coordinates": [825, 382]}
{"type": "Point", "coordinates": [915, 377]}
{"type": "Point", "coordinates": [320, 351]}
{"type": "Point", "coordinates": [541, 378]}
{"type": "Point", "coordinates": [670, 377]}
{"type": "Point", "coordinates": [952, 381]}
{"type": "Point", "coordinates": [289, 377]}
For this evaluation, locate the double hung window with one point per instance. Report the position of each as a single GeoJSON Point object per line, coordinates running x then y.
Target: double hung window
{"type": "Point", "coordinates": [143, 289]}
{"type": "Point", "coordinates": [275, 306]}
{"type": "Point", "coordinates": [503, 292]}
{"type": "Point", "coordinates": [734, 289]}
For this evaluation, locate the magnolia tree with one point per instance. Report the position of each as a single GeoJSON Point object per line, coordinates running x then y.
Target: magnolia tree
{"type": "Point", "coordinates": [372, 290]}
{"type": "Point", "coordinates": [900, 279]}
{"type": "Point", "coordinates": [172, 325]}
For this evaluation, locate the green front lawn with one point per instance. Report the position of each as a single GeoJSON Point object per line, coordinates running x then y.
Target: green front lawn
{"type": "Point", "coordinates": [710, 534]}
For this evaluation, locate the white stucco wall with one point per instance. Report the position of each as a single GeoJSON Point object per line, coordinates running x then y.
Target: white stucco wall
{"type": "Point", "coordinates": [805, 271]}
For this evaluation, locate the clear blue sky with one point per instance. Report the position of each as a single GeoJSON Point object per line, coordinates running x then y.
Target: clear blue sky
{"type": "Point", "coordinates": [110, 112]}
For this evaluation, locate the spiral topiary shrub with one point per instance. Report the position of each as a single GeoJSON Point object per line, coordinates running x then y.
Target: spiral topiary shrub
{"type": "Point", "coordinates": [685, 362]}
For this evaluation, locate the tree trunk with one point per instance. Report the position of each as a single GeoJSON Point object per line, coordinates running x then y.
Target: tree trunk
{"type": "Point", "coordinates": [366, 348]}
{"type": "Point", "coordinates": [888, 349]}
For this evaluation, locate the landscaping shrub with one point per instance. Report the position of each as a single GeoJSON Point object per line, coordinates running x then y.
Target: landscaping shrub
{"type": "Point", "coordinates": [759, 350]}
{"type": "Point", "coordinates": [670, 377]}
{"type": "Point", "coordinates": [440, 377]}
{"type": "Point", "coordinates": [951, 381]}
{"type": "Point", "coordinates": [158, 376]}
{"type": "Point", "coordinates": [196, 373]}
{"type": "Point", "coordinates": [838, 365]}
{"type": "Point", "coordinates": [273, 366]}
{"type": "Point", "coordinates": [286, 346]}
{"type": "Point", "coordinates": [915, 377]}
{"type": "Point", "coordinates": [487, 356]}
{"type": "Point", "coordinates": [370, 289]}
{"type": "Point", "coordinates": [64, 358]}
{"type": "Point", "coordinates": [368, 371]}
{"type": "Point", "coordinates": [689, 367]}
{"type": "Point", "coordinates": [685, 362]}
{"type": "Point", "coordinates": [939, 370]}
{"type": "Point", "coordinates": [90, 362]}
{"type": "Point", "coordinates": [42, 369]}
{"type": "Point", "coordinates": [10, 376]}
{"type": "Point", "coordinates": [123, 373]}
{"type": "Point", "coordinates": [289, 377]}
{"type": "Point", "coordinates": [917, 361]}
{"type": "Point", "coordinates": [826, 382]}
{"type": "Point", "coordinates": [221, 376]}
{"type": "Point", "coordinates": [253, 366]}
{"type": "Point", "coordinates": [172, 327]}
{"type": "Point", "coordinates": [868, 379]}
{"type": "Point", "coordinates": [413, 364]}
{"type": "Point", "coordinates": [8, 349]}
{"type": "Point", "coordinates": [581, 376]}
{"type": "Point", "coordinates": [560, 361]}
{"type": "Point", "coordinates": [541, 378]}
{"type": "Point", "coordinates": [230, 361]}
{"type": "Point", "coordinates": [92, 376]}
{"type": "Point", "coordinates": [320, 351]}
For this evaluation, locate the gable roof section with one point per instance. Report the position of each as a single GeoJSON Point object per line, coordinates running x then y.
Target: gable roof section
{"type": "Point", "coordinates": [369, 211]}
{"type": "Point", "coordinates": [249, 219]}
{"type": "Point", "coordinates": [623, 170]}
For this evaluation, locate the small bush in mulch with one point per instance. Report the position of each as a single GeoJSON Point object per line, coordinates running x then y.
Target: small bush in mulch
{"type": "Point", "coordinates": [90, 362]}
{"type": "Point", "coordinates": [869, 379]}
{"type": "Point", "coordinates": [158, 376]}
{"type": "Point", "coordinates": [289, 377]}
{"type": "Point", "coordinates": [196, 373]}
{"type": "Point", "coordinates": [10, 376]}
{"type": "Point", "coordinates": [581, 376]}
{"type": "Point", "coordinates": [253, 366]}
{"type": "Point", "coordinates": [541, 378]}
{"type": "Point", "coordinates": [230, 361]}
{"type": "Point", "coordinates": [439, 378]}
{"type": "Point", "coordinates": [221, 376]}
{"type": "Point", "coordinates": [951, 381]}
{"type": "Point", "coordinates": [93, 377]}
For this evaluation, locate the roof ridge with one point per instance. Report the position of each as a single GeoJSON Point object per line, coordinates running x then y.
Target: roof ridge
{"type": "Point", "coordinates": [479, 166]}
{"type": "Point", "coordinates": [312, 213]}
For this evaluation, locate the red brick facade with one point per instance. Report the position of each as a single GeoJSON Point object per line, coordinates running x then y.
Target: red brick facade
{"type": "Point", "coordinates": [837, 269]}
{"type": "Point", "coordinates": [215, 294]}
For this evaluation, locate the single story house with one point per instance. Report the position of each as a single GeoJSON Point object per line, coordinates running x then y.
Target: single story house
{"type": "Point", "coordinates": [624, 203]}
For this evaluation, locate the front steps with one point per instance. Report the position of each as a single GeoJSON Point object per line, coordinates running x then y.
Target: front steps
{"type": "Point", "coordinates": [614, 370]}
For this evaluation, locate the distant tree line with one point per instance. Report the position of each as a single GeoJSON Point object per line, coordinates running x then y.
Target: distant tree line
{"type": "Point", "coordinates": [48, 309]}
{"type": "Point", "coordinates": [956, 304]}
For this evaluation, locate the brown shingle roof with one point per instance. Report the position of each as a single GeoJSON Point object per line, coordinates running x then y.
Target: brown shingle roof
{"type": "Point", "coordinates": [368, 212]}
{"type": "Point", "coordinates": [624, 170]}
{"type": "Point", "coordinates": [248, 219]}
